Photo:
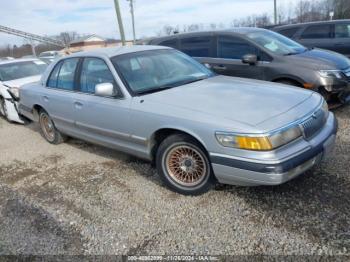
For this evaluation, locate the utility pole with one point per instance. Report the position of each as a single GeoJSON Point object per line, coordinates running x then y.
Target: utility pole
{"type": "Point", "coordinates": [275, 11]}
{"type": "Point", "coordinates": [120, 22]}
{"type": "Point", "coordinates": [132, 19]}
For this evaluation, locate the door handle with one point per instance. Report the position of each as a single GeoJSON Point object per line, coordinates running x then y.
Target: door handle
{"type": "Point", "coordinates": [78, 105]}
{"type": "Point", "coordinates": [46, 99]}
{"type": "Point", "coordinates": [219, 67]}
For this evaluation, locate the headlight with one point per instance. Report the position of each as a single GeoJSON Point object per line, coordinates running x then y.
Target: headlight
{"type": "Point", "coordinates": [331, 73]}
{"type": "Point", "coordinates": [14, 91]}
{"type": "Point", "coordinates": [259, 143]}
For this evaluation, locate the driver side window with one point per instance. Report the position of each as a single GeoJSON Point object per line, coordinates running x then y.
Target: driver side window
{"type": "Point", "coordinates": [234, 48]}
{"type": "Point", "coordinates": [94, 71]}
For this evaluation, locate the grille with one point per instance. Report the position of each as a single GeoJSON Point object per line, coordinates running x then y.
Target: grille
{"type": "Point", "coordinates": [313, 125]}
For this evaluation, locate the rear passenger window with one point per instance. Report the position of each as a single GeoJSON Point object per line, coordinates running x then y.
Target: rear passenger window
{"type": "Point", "coordinates": [66, 75]}
{"type": "Point", "coordinates": [317, 32]}
{"type": "Point", "coordinates": [170, 43]}
{"type": "Point", "coordinates": [234, 48]}
{"type": "Point", "coordinates": [52, 82]}
{"type": "Point", "coordinates": [196, 46]}
{"type": "Point", "coordinates": [342, 31]}
{"type": "Point", "coordinates": [94, 71]}
{"type": "Point", "coordinates": [290, 32]}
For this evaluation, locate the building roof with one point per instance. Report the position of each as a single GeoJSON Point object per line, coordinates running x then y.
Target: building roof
{"type": "Point", "coordinates": [86, 38]}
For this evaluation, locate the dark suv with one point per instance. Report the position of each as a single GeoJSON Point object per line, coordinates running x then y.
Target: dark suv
{"type": "Point", "coordinates": [266, 55]}
{"type": "Point", "coordinates": [331, 35]}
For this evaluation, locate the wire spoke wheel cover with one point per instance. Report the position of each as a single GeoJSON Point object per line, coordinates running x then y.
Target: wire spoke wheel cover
{"type": "Point", "coordinates": [186, 165]}
{"type": "Point", "coordinates": [47, 127]}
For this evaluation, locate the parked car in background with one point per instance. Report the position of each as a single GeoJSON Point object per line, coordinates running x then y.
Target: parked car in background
{"type": "Point", "coordinates": [266, 55]}
{"type": "Point", "coordinates": [13, 75]}
{"type": "Point", "coordinates": [161, 105]}
{"type": "Point", "coordinates": [6, 58]}
{"type": "Point", "coordinates": [49, 56]}
{"type": "Point", "coordinates": [331, 35]}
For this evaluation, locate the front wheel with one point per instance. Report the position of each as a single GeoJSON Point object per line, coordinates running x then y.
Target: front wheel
{"type": "Point", "coordinates": [48, 129]}
{"type": "Point", "coordinates": [184, 166]}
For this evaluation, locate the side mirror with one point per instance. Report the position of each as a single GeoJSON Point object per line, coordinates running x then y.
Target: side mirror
{"type": "Point", "coordinates": [250, 59]}
{"type": "Point", "coordinates": [105, 89]}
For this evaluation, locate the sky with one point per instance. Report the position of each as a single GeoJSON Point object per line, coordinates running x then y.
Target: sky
{"type": "Point", "coordinates": [50, 17]}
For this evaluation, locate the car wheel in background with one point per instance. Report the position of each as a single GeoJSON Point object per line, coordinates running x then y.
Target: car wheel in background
{"type": "Point", "coordinates": [3, 108]}
{"type": "Point", "coordinates": [48, 129]}
{"type": "Point", "coordinates": [183, 165]}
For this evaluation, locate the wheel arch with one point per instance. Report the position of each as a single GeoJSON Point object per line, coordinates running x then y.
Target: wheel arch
{"type": "Point", "coordinates": [36, 109]}
{"type": "Point", "coordinates": [159, 135]}
{"type": "Point", "coordinates": [300, 82]}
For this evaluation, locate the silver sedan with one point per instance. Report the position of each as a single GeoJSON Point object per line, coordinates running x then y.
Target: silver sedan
{"type": "Point", "coordinates": [197, 127]}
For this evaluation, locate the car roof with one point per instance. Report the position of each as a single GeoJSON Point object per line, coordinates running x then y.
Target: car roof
{"type": "Point", "coordinates": [235, 30]}
{"type": "Point", "coordinates": [114, 51]}
{"type": "Point", "coordinates": [18, 60]}
{"type": "Point", "coordinates": [312, 23]}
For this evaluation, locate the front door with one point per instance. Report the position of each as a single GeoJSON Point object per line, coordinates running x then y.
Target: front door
{"type": "Point", "coordinates": [102, 120]}
{"type": "Point", "coordinates": [230, 51]}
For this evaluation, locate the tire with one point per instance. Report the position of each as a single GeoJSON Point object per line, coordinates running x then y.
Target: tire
{"type": "Point", "coordinates": [179, 159]}
{"type": "Point", "coordinates": [3, 109]}
{"type": "Point", "coordinates": [48, 129]}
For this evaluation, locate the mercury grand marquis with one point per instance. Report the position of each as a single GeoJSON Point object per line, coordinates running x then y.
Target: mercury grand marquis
{"type": "Point", "coordinates": [197, 127]}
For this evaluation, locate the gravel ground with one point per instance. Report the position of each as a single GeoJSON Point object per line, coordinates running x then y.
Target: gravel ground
{"type": "Point", "coordinates": [78, 198]}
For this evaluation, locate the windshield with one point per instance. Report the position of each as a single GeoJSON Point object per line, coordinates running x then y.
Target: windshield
{"type": "Point", "coordinates": [12, 71]}
{"type": "Point", "coordinates": [276, 43]}
{"type": "Point", "coordinates": [151, 71]}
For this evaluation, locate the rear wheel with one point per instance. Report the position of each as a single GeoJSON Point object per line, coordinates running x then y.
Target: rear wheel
{"type": "Point", "coordinates": [48, 129]}
{"type": "Point", "coordinates": [184, 166]}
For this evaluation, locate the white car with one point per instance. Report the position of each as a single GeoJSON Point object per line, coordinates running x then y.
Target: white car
{"type": "Point", "coordinates": [14, 74]}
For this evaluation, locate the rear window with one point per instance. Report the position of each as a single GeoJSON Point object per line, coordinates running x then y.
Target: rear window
{"type": "Point", "coordinates": [196, 46]}
{"type": "Point", "coordinates": [290, 32]}
{"type": "Point", "coordinates": [317, 32]}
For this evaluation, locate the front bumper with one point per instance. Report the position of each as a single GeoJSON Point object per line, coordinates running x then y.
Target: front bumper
{"type": "Point", "coordinates": [229, 170]}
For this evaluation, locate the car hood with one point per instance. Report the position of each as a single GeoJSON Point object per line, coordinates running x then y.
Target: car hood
{"type": "Point", "coordinates": [321, 59]}
{"type": "Point", "coordinates": [245, 101]}
{"type": "Point", "coordinates": [22, 81]}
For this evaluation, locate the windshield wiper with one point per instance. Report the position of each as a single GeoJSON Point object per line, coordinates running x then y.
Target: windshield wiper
{"type": "Point", "coordinates": [165, 87]}
{"type": "Point", "coordinates": [153, 90]}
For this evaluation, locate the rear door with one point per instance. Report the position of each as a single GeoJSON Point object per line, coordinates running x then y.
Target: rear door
{"type": "Point", "coordinates": [228, 58]}
{"type": "Point", "coordinates": [58, 100]}
{"type": "Point", "coordinates": [342, 38]}
{"type": "Point", "coordinates": [318, 35]}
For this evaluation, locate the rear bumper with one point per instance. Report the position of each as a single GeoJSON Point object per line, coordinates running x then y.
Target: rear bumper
{"type": "Point", "coordinates": [229, 170]}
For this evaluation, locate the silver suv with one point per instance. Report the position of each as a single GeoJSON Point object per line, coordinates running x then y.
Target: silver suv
{"type": "Point", "coordinates": [161, 105]}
